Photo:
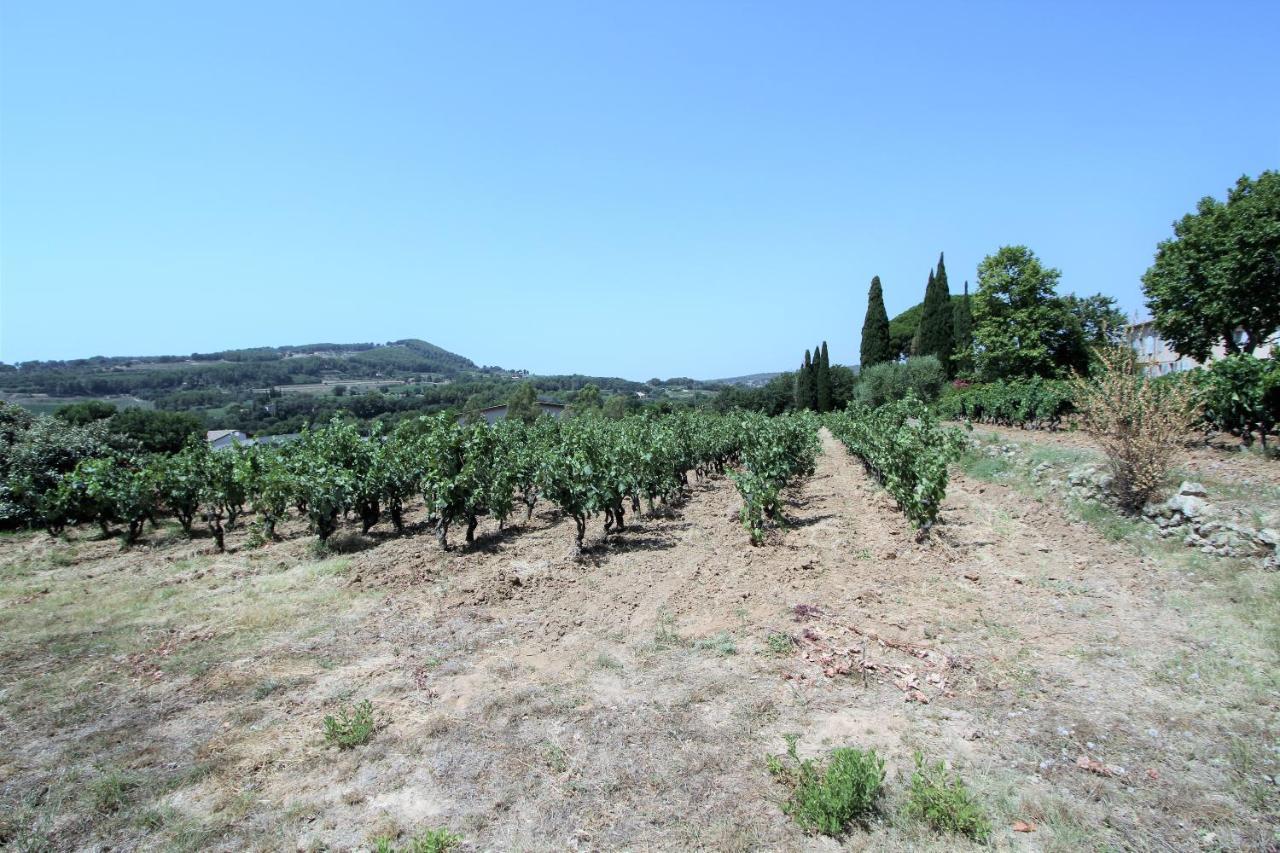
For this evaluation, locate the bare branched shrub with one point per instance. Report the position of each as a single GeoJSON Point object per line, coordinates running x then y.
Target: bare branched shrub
{"type": "Point", "coordinates": [1140, 422]}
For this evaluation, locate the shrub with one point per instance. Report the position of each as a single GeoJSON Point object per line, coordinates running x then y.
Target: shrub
{"type": "Point", "coordinates": [828, 798]}
{"type": "Point", "coordinates": [350, 727]}
{"type": "Point", "coordinates": [1034, 403]}
{"type": "Point", "coordinates": [1241, 395]}
{"type": "Point", "coordinates": [944, 803]}
{"type": "Point", "coordinates": [1138, 421]}
{"type": "Point", "coordinates": [921, 377]}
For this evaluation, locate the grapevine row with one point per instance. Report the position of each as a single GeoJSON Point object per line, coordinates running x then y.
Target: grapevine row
{"type": "Point", "coordinates": [902, 445]}
{"type": "Point", "coordinates": [585, 466]}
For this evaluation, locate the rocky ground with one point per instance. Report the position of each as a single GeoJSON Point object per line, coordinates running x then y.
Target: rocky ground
{"type": "Point", "coordinates": [1096, 684]}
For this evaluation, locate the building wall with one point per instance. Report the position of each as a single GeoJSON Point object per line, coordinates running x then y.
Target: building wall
{"type": "Point", "coordinates": [1160, 357]}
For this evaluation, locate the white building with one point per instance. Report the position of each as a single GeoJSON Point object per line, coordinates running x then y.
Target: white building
{"type": "Point", "coordinates": [1160, 357]}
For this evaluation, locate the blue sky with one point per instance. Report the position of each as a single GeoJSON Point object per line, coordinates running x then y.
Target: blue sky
{"type": "Point", "coordinates": [647, 189]}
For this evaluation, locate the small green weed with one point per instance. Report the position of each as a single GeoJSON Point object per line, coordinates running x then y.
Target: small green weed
{"type": "Point", "coordinates": [721, 643]}
{"type": "Point", "coordinates": [437, 840]}
{"type": "Point", "coordinates": [110, 791]}
{"type": "Point", "coordinates": [350, 728]}
{"type": "Point", "coordinates": [665, 635]}
{"type": "Point", "coordinates": [828, 798]}
{"type": "Point", "coordinates": [555, 757]}
{"type": "Point", "coordinates": [604, 660]}
{"type": "Point", "coordinates": [780, 643]}
{"type": "Point", "coordinates": [944, 803]}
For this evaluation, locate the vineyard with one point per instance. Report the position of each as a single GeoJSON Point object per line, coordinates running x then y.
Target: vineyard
{"type": "Point", "coordinates": [389, 640]}
{"type": "Point", "coordinates": [585, 467]}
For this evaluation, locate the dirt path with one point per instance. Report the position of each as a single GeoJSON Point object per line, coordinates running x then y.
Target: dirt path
{"type": "Point", "coordinates": [532, 701]}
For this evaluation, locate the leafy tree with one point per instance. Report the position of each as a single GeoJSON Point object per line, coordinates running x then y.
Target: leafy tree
{"type": "Point", "coordinates": [920, 377]}
{"type": "Point", "coordinates": [86, 412]}
{"type": "Point", "coordinates": [586, 400]}
{"type": "Point", "coordinates": [1021, 327]}
{"type": "Point", "coordinates": [1220, 272]}
{"type": "Point", "coordinates": [876, 346]}
{"type": "Point", "coordinates": [523, 403]}
{"type": "Point", "coordinates": [157, 431]}
{"type": "Point", "coordinates": [843, 381]}
{"type": "Point", "coordinates": [618, 406]}
{"type": "Point", "coordinates": [935, 335]}
{"type": "Point", "coordinates": [471, 409]}
{"type": "Point", "coordinates": [962, 327]}
{"type": "Point", "coordinates": [36, 454]}
{"type": "Point", "coordinates": [823, 383]}
{"type": "Point", "coordinates": [1091, 322]}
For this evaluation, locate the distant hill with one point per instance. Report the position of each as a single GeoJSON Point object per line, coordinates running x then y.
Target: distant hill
{"type": "Point", "coordinates": [231, 370]}
{"type": "Point", "coordinates": [753, 380]}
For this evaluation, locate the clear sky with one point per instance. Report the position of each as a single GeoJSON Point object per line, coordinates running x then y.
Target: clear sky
{"type": "Point", "coordinates": [633, 189]}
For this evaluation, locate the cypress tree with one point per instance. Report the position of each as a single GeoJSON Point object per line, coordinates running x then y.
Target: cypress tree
{"type": "Point", "coordinates": [815, 373]}
{"type": "Point", "coordinates": [824, 380]}
{"type": "Point", "coordinates": [962, 361]}
{"type": "Point", "coordinates": [804, 383]}
{"type": "Point", "coordinates": [936, 335]}
{"type": "Point", "coordinates": [876, 346]}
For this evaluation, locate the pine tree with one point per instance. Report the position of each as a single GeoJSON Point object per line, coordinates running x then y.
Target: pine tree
{"type": "Point", "coordinates": [824, 380]}
{"type": "Point", "coordinates": [915, 336]}
{"type": "Point", "coordinates": [876, 346]}
{"type": "Point", "coordinates": [804, 383]}
{"type": "Point", "coordinates": [936, 335]}
{"type": "Point", "coordinates": [962, 359]}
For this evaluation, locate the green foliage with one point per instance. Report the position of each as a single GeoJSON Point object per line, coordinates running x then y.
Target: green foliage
{"type": "Point", "coordinates": [921, 377]}
{"type": "Point", "coordinates": [944, 803]}
{"type": "Point", "coordinates": [902, 445]}
{"type": "Point", "coordinates": [828, 798]}
{"type": "Point", "coordinates": [86, 412]}
{"type": "Point", "coordinates": [1219, 272]}
{"type": "Point", "coordinates": [36, 454]}
{"type": "Point", "coordinates": [962, 329]}
{"type": "Point", "coordinates": [437, 840]}
{"type": "Point", "coordinates": [155, 431]}
{"type": "Point", "coordinates": [587, 400]}
{"type": "Point", "coordinates": [876, 346]}
{"type": "Point", "coordinates": [772, 451]}
{"type": "Point", "coordinates": [522, 405]}
{"type": "Point", "coordinates": [780, 643]}
{"type": "Point", "coordinates": [1028, 403]}
{"type": "Point", "coordinates": [351, 727]}
{"type": "Point", "coordinates": [1241, 395]}
{"type": "Point", "coordinates": [110, 792]}
{"type": "Point", "coordinates": [822, 380]}
{"type": "Point", "coordinates": [902, 331]}
{"type": "Point", "coordinates": [1019, 322]}
{"type": "Point", "coordinates": [806, 390]}
{"type": "Point", "coordinates": [182, 481]}
{"type": "Point", "coordinates": [935, 335]}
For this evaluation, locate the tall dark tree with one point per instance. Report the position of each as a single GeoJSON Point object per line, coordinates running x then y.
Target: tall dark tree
{"type": "Point", "coordinates": [804, 383]}
{"type": "Point", "coordinates": [876, 347]}
{"type": "Point", "coordinates": [962, 329]}
{"type": "Point", "coordinates": [824, 380]}
{"type": "Point", "coordinates": [936, 335]}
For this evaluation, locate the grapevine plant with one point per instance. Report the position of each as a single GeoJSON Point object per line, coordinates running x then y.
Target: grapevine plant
{"type": "Point", "coordinates": [903, 446]}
